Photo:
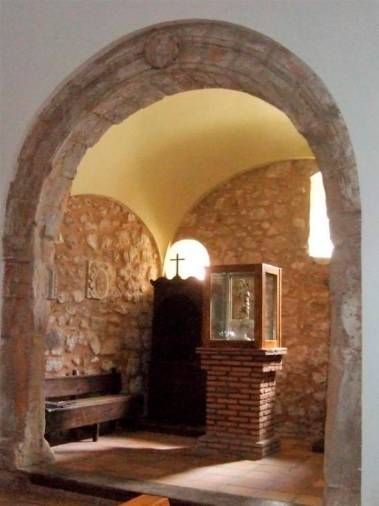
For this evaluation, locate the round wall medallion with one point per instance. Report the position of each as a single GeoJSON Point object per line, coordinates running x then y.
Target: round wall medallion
{"type": "Point", "coordinates": [161, 50]}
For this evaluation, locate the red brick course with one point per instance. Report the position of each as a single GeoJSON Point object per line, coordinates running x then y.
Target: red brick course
{"type": "Point", "coordinates": [240, 400]}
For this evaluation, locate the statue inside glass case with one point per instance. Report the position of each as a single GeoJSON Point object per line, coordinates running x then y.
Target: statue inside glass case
{"type": "Point", "coordinates": [244, 304]}
{"type": "Point", "coordinates": [232, 311]}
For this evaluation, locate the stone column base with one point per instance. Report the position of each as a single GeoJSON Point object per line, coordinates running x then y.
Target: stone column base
{"type": "Point", "coordinates": [342, 496]}
{"type": "Point", "coordinates": [13, 455]}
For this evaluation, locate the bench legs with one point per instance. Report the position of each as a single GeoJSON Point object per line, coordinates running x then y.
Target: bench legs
{"type": "Point", "coordinates": [96, 432]}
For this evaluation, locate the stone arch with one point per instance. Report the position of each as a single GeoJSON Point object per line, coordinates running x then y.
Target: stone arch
{"type": "Point", "coordinates": [134, 72]}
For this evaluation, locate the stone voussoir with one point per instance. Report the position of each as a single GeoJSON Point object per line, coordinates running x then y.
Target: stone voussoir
{"type": "Point", "coordinates": [124, 60]}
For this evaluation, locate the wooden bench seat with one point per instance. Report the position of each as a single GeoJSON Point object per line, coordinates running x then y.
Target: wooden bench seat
{"type": "Point", "coordinates": [147, 500]}
{"type": "Point", "coordinates": [79, 401]}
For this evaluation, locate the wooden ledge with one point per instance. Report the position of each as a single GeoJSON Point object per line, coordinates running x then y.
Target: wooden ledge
{"type": "Point", "coordinates": [240, 350]}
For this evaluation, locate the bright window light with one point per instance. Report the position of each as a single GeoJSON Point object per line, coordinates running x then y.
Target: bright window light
{"type": "Point", "coordinates": [319, 243]}
{"type": "Point", "coordinates": [195, 259]}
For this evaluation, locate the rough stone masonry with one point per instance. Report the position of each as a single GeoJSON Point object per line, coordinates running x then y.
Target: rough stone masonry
{"type": "Point", "coordinates": [101, 313]}
{"type": "Point", "coordinates": [263, 216]}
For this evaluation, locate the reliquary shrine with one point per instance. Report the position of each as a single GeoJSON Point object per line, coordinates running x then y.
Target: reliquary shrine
{"type": "Point", "coordinates": [241, 353]}
{"type": "Point", "coordinates": [216, 348]}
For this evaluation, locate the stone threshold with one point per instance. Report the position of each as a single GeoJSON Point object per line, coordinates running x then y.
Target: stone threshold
{"type": "Point", "coordinates": [109, 487]}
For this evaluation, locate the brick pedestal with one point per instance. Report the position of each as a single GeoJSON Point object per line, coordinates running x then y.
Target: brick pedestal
{"type": "Point", "coordinates": [240, 400]}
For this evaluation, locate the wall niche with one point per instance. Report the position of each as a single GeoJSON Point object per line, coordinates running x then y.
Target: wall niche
{"type": "Point", "coordinates": [101, 297]}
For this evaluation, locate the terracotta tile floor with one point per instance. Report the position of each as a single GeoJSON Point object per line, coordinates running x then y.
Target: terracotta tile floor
{"type": "Point", "coordinates": [294, 475]}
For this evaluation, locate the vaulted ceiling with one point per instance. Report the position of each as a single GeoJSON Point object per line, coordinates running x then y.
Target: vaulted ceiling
{"type": "Point", "coordinates": [163, 159]}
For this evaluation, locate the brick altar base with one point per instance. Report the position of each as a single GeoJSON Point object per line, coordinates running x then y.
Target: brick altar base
{"type": "Point", "coordinates": [240, 400]}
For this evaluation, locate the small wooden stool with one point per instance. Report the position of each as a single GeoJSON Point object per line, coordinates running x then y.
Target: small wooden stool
{"type": "Point", "coordinates": [147, 500]}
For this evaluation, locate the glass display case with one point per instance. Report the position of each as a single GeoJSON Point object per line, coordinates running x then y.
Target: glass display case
{"type": "Point", "coordinates": [243, 305]}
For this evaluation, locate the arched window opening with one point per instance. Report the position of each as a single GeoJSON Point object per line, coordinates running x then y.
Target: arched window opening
{"type": "Point", "coordinates": [192, 259]}
{"type": "Point", "coordinates": [319, 243]}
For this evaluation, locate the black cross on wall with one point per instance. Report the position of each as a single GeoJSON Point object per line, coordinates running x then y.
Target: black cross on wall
{"type": "Point", "coordinates": [177, 260]}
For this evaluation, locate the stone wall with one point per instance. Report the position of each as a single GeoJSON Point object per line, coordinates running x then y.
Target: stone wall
{"type": "Point", "coordinates": [102, 299]}
{"type": "Point", "coordinates": [262, 216]}
{"type": "Point", "coordinates": [114, 86]}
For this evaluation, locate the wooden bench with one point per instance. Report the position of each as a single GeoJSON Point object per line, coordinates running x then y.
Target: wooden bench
{"type": "Point", "coordinates": [79, 401]}
{"type": "Point", "coordinates": [147, 500]}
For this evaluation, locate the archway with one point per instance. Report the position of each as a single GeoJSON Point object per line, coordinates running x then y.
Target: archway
{"type": "Point", "coordinates": [133, 73]}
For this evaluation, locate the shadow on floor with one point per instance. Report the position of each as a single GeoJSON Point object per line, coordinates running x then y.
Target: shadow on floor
{"type": "Point", "coordinates": [167, 464]}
